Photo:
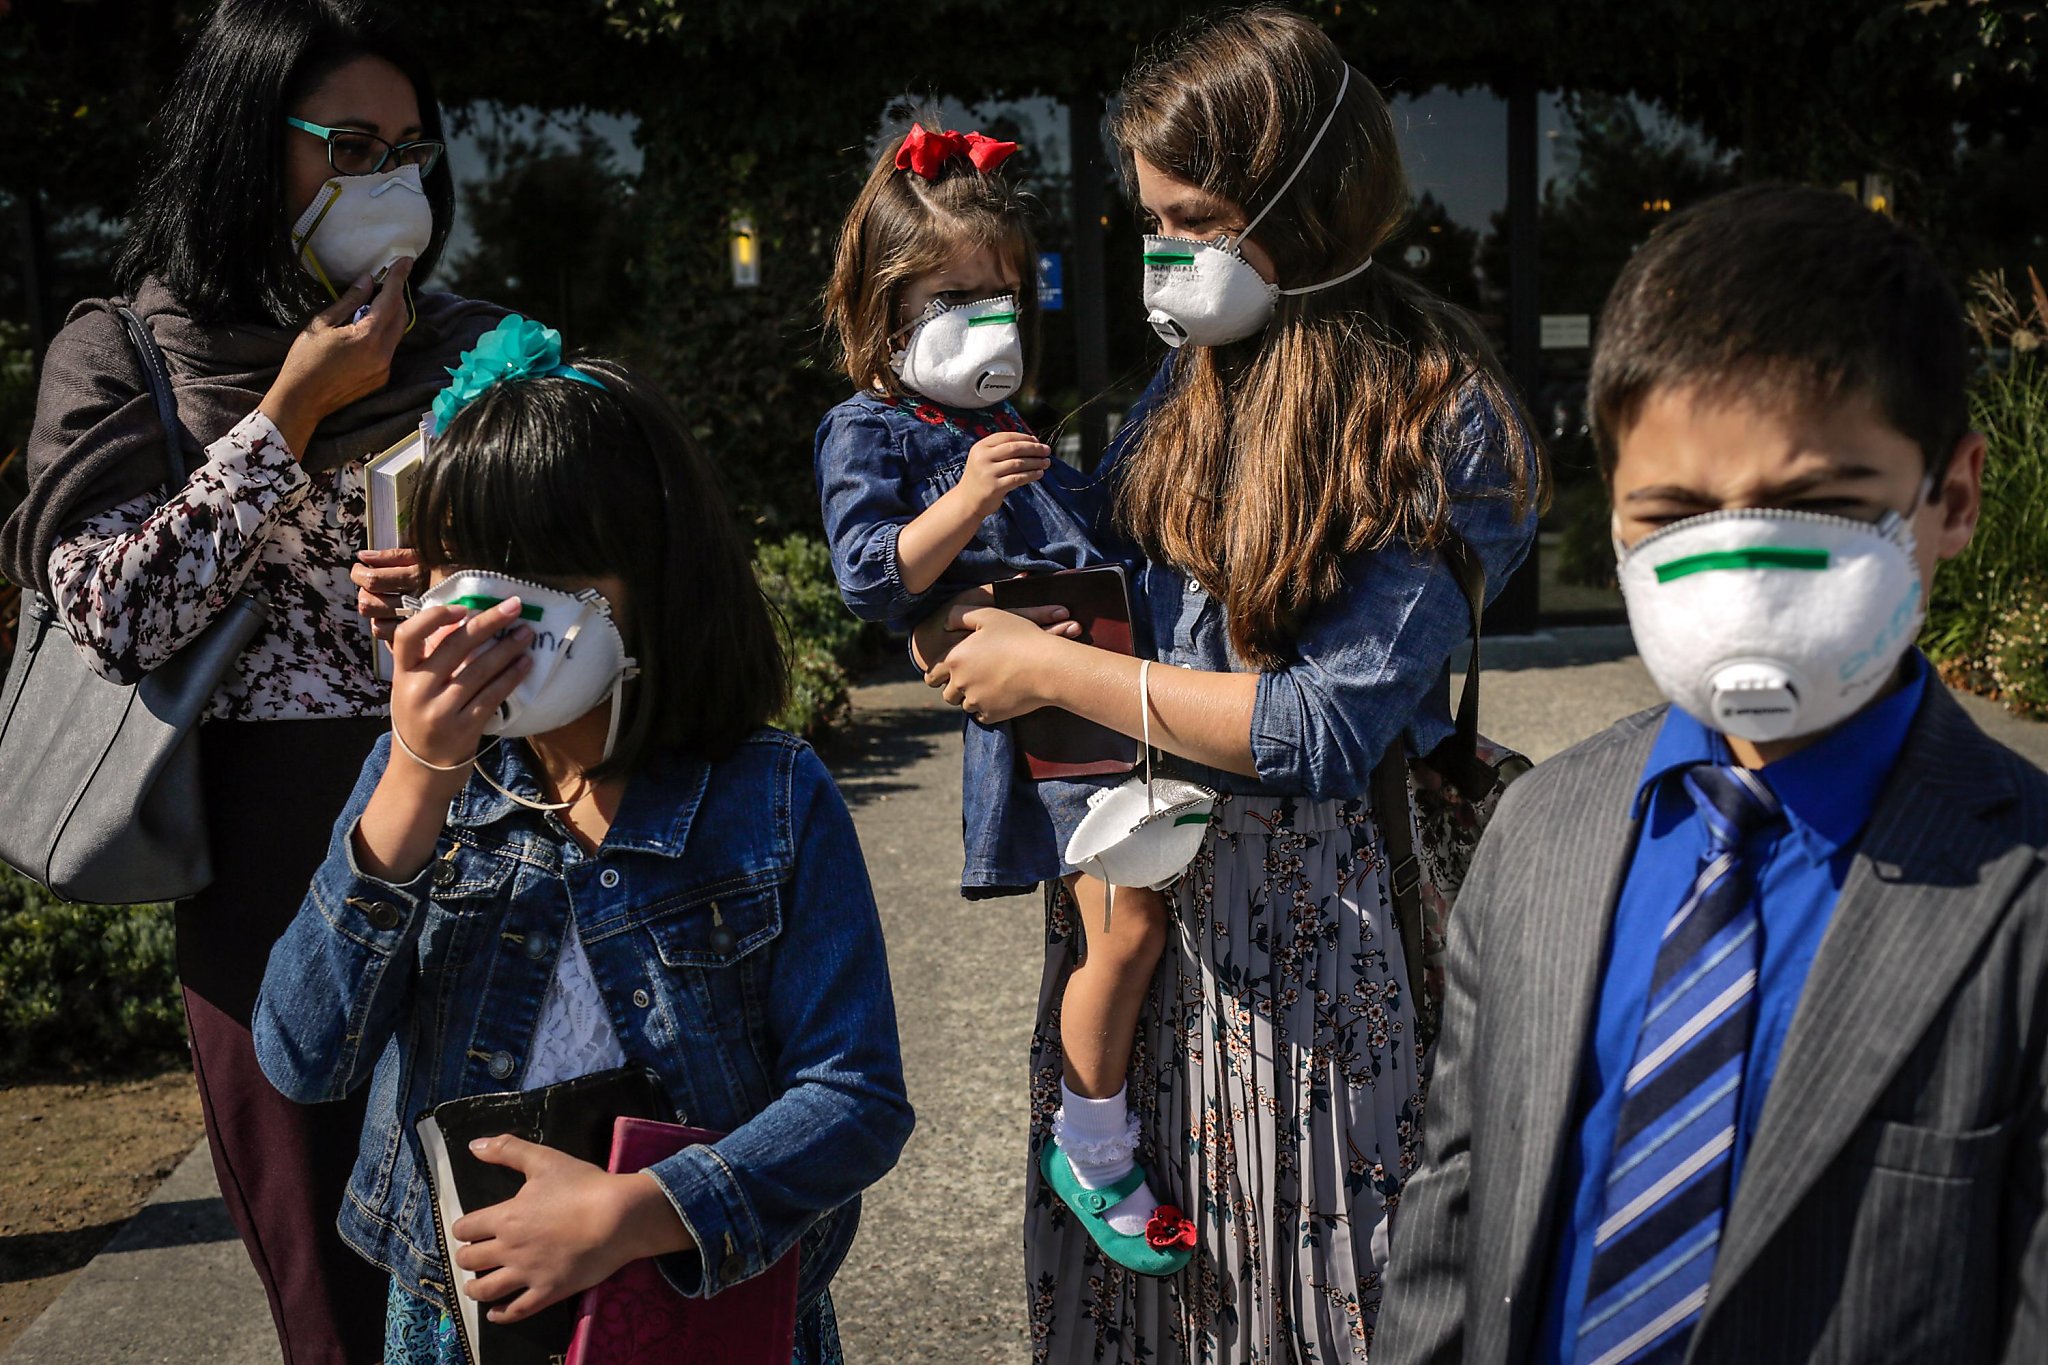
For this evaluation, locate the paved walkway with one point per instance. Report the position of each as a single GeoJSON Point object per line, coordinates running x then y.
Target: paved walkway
{"type": "Point", "coordinates": [174, 1286]}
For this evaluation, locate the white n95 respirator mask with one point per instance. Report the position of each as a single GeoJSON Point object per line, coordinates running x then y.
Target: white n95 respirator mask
{"type": "Point", "coordinates": [359, 224]}
{"type": "Point", "coordinates": [968, 355]}
{"type": "Point", "coordinates": [579, 657]}
{"type": "Point", "coordinates": [1771, 624]}
{"type": "Point", "coordinates": [1206, 293]}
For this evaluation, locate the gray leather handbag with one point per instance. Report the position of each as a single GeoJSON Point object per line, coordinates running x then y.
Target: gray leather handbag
{"type": "Point", "coordinates": [99, 782]}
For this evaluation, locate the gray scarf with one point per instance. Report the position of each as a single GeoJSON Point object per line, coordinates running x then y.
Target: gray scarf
{"type": "Point", "coordinates": [97, 441]}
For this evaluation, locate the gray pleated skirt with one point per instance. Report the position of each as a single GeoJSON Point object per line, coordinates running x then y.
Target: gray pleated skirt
{"type": "Point", "coordinates": [1277, 1083]}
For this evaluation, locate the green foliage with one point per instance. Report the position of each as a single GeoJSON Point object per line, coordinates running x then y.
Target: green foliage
{"type": "Point", "coordinates": [821, 639]}
{"type": "Point", "coordinates": [1985, 616]}
{"type": "Point", "coordinates": [84, 986]}
{"type": "Point", "coordinates": [2016, 651]}
{"type": "Point", "coordinates": [796, 574]}
{"type": "Point", "coordinates": [555, 231]}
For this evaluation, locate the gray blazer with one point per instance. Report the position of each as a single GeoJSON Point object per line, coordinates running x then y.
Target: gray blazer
{"type": "Point", "coordinates": [1892, 1206]}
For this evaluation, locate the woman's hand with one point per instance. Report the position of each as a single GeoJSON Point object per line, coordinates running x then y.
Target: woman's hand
{"type": "Point", "coordinates": [382, 579]}
{"type": "Point", "coordinates": [338, 360]}
{"type": "Point", "coordinates": [570, 1226]}
{"type": "Point", "coordinates": [990, 671]}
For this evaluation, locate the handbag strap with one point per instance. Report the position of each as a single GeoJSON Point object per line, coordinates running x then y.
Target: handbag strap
{"type": "Point", "coordinates": [156, 372]}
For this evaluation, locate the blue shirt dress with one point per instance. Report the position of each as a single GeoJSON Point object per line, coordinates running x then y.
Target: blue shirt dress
{"type": "Point", "coordinates": [879, 463]}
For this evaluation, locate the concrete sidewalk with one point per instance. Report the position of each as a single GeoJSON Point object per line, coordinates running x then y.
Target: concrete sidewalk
{"type": "Point", "coordinates": [919, 1286]}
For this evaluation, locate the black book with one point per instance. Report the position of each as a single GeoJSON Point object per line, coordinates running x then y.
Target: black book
{"type": "Point", "coordinates": [570, 1116]}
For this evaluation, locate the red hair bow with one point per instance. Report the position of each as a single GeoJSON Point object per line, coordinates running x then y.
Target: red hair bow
{"type": "Point", "coordinates": [927, 152]}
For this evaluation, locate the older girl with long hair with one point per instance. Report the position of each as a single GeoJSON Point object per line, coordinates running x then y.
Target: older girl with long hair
{"type": "Point", "coordinates": [1321, 433]}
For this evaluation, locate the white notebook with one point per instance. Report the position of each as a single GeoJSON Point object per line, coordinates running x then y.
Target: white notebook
{"type": "Point", "coordinates": [388, 483]}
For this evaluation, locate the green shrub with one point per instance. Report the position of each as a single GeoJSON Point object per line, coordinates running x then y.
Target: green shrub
{"type": "Point", "coordinates": [820, 637]}
{"type": "Point", "coordinates": [84, 986]}
{"type": "Point", "coordinates": [2016, 653]}
{"type": "Point", "coordinates": [1989, 589]}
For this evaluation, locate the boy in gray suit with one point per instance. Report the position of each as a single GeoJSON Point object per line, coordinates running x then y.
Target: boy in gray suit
{"type": "Point", "coordinates": [1746, 1029]}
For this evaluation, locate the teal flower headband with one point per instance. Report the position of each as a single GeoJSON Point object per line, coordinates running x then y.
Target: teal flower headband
{"type": "Point", "coordinates": [517, 348]}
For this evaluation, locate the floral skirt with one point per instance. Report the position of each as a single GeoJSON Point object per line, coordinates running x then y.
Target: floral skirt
{"type": "Point", "coordinates": [420, 1333]}
{"type": "Point", "coordinates": [1276, 1079]}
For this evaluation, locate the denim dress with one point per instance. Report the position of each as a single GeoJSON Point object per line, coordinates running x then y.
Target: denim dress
{"type": "Point", "coordinates": [880, 462]}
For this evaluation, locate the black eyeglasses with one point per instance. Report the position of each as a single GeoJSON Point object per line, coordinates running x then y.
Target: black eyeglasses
{"type": "Point", "coordinates": [351, 151]}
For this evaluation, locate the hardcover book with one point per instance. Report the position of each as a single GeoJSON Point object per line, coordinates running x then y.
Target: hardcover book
{"type": "Point", "coordinates": [1057, 743]}
{"type": "Point", "coordinates": [637, 1318]}
{"type": "Point", "coordinates": [576, 1117]}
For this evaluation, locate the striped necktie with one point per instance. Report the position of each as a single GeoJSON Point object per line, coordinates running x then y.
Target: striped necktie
{"type": "Point", "coordinates": [1667, 1190]}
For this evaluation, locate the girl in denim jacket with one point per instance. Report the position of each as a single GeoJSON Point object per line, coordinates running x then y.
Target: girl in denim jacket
{"type": "Point", "coordinates": [655, 879]}
{"type": "Point", "coordinates": [931, 484]}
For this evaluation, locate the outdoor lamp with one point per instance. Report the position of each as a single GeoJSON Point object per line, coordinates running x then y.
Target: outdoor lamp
{"type": "Point", "coordinates": [746, 256]}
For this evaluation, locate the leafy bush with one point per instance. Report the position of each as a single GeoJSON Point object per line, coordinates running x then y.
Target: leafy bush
{"type": "Point", "coordinates": [821, 639]}
{"type": "Point", "coordinates": [2016, 652]}
{"type": "Point", "coordinates": [84, 985]}
{"type": "Point", "coordinates": [1984, 624]}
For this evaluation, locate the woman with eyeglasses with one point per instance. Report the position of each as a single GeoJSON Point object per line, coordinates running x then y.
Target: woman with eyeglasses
{"type": "Point", "coordinates": [299, 196]}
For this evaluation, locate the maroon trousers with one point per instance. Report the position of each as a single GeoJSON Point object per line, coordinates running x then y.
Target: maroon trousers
{"type": "Point", "coordinates": [273, 790]}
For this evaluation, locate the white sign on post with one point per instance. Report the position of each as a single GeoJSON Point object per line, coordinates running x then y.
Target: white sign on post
{"type": "Point", "coordinates": [1567, 331]}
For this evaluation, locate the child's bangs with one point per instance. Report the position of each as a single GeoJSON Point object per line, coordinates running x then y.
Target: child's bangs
{"type": "Point", "coordinates": [531, 481]}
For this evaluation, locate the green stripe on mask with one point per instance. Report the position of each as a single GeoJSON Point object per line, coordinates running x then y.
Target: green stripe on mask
{"type": "Point", "coordinates": [479, 603]}
{"type": "Point", "coordinates": [989, 319]}
{"type": "Point", "coordinates": [1169, 258]}
{"type": "Point", "coordinates": [1763, 557]}
{"type": "Point", "coordinates": [1191, 819]}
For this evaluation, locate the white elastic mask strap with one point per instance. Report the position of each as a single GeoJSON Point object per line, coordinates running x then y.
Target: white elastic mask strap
{"type": "Point", "coordinates": [1302, 165]}
{"type": "Point", "coordinates": [1350, 274]}
{"type": "Point", "coordinates": [1145, 726]}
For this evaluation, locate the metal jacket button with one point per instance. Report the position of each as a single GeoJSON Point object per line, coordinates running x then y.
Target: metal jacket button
{"type": "Point", "coordinates": [537, 947]}
{"type": "Point", "coordinates": [444, 873]}
{"type": "Point", "coordinates": [501, 1065]}
{"type": "Point", "coordinates": [642, 999]}
{"type": "Point", "coordinates": [608, 878]}
{"type": "Point", "coordinates": [382, 915]}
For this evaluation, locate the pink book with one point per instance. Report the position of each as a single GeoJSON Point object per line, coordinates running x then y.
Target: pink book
{"type": "Point", "coordinates": [637, 1318]}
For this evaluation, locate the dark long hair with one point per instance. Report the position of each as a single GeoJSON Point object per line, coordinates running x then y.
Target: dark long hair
{"type": "Point", "coordinates": [554, 478]}
{"type": "Point", "coordinates": [211, 223]}
{"type": "Point", "coordinates": [1325, 434]}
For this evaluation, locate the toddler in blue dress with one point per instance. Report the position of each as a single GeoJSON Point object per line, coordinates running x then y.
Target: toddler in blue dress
{"type": "Point", "coordinates": [931, 484]}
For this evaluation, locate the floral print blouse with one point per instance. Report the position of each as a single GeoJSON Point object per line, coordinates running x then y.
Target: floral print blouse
{"type": "Point", "coordinates": [135, 583]}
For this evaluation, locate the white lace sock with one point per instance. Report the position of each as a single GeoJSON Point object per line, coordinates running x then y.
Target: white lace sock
{"type": "Point", "coordinates": [1098, 1138]}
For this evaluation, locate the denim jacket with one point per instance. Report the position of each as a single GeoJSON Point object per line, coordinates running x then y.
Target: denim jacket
{"type": "Point", "coordinates": [1367, 665]}
{"type": "Point", "coordinates": [879, 464]}
{"type": "Point", "coordinates": [731, 931]}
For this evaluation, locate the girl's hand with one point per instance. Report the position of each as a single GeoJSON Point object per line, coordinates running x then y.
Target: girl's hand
{"type": "Point", "coordinates": [382, 578]}
{"type": "Point", "coordinates": [338, 360]}
{"type": "Point", "coordinates": [451, 669]}
{"type": "Point", "coordinates": [570, 1226]}
{"type": "Point", "coordinates": [990, 672]}
{"type": "Point", "coordinates": [933, 638]}
{"type": "Point", "coordinates": [998, 465]}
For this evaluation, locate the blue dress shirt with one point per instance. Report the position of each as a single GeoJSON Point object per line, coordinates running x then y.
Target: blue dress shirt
{"type": "Point", "coordinates": [1828, 790]}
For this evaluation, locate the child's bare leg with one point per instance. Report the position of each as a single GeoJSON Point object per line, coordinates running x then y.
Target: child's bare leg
{"type": "Point", "coordinates": [1099, 1015]}
{"type": "Point", "coordinates": [1098, 1023]}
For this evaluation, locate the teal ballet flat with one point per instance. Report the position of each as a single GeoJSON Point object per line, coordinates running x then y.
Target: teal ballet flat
{"type": "Point", "coordinates": [1162, 1249]}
